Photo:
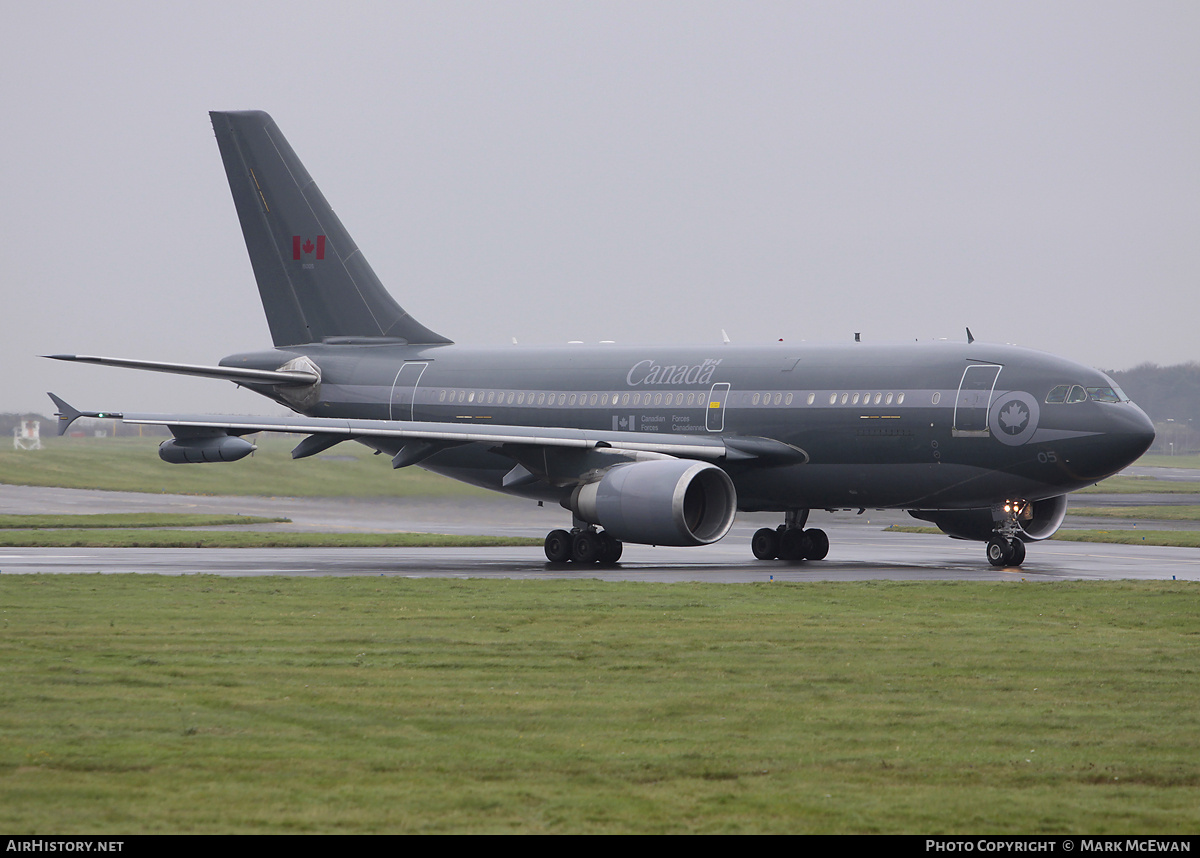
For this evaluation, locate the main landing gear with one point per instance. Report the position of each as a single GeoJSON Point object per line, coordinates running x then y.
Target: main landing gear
{"type": "Point", "coordinates": [582, 545]}
{"type": "Point", "coordinates": [790, 541]}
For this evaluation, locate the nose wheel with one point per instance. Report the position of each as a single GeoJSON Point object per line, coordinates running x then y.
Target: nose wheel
{"type": "Point", "coordinates": [1005, 551]}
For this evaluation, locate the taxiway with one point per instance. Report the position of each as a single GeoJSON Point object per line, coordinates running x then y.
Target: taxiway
{"type": "Point", "coordinates": [860, 548]}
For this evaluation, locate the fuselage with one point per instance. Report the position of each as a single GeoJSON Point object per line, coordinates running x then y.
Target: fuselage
{"type": "Point", "coordinates": [912, 426]}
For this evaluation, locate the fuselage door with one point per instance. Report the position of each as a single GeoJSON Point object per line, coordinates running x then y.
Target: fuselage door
{"type": "Point", "coordinates": [715, 419]}
{"type": "Point", "coordinates": [974, 399]}
{"type": "Point", "coordinates": [404, 390]}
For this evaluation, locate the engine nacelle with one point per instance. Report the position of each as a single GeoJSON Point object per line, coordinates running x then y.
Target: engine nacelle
{"type": "Point", "coordinates": [1045, 517]}
{"type": "Point", "coordinates": [663, 502]}
{"type": "Point", "coordinates": [216, 448]}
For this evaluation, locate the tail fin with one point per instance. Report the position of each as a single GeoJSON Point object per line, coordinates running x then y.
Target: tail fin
{"type": "Point", "coordinates": [313, 281]}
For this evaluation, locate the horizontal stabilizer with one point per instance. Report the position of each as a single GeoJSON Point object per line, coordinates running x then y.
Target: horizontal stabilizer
{"type": "Point", "coordinates": [235, 374]}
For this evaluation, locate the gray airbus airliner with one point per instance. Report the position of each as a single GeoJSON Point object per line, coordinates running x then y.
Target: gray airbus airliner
{"type": "Point", "coordinates": [647, 444]}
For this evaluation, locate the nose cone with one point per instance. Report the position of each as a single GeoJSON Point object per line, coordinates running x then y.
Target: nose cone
{"type": "Point", "coordinates": [1128, 435]}
{"type": "Point", "coordinates": [1114, 436]}
{"type": "Point", "coordinates": [1141, 434]}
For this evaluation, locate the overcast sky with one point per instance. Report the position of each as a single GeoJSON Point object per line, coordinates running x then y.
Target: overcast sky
{"type": "Point", "coordinates": [636, 171]}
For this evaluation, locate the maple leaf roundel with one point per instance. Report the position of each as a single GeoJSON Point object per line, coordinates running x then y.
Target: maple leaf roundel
{"type": "Point", "coordinates": [1013, 417]}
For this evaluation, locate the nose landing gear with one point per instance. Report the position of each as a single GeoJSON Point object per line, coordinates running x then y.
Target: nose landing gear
{"type": "Point", "coordinates": [1006, 548]}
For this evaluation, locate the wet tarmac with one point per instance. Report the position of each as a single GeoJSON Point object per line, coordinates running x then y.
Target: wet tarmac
{"type": "Point", "coordinates": [860, 548]}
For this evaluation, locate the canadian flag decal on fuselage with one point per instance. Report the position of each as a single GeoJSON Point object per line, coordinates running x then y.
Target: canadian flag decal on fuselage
{"type": "Point", "coordinates": [306, 246]}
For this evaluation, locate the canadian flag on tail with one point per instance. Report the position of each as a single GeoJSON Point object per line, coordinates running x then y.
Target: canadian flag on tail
{"type": "Point", "coordinates": [305, 246]}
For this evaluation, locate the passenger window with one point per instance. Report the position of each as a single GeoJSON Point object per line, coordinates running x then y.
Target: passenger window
{"type": "Point", "coordinates": [1057, 394]}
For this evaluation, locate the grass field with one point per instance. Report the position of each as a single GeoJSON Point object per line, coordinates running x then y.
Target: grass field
{"type": "Point", "coordinates": [129, 520]}
{"type": "Point", "coordinates": [1157, 512]}
{"type": "Point", "coordinates": [1141, 485]}
{"type": "Point", "coordinates": [1192, 460]}
{"type": "Point", "coordinates": [132, 464]}
{"type": "Point", "coordinates": [347, 470]}
{"type": "Point", "coordinates": [168, 538]}
{"type": "Point", "coordinates": [194, 704]}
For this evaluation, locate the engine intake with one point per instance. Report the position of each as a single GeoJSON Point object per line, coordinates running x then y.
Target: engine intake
{"type": "Point", "coordinates": [663, 502]}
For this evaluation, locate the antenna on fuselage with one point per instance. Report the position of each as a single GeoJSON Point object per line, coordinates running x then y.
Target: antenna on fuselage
{"type": "Point", "coordinates": [970, 337]}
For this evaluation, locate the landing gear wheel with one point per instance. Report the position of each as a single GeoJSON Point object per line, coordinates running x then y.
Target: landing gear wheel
{"type": "Point", "coordinates": [999, 551]}
{"type": "Point", "coordinates": [820, 544]}
{"type": "Point", "coordinates": [610, 550]}
{"type": "Point", "coordinates": [585, 546]}
{"type": "Point", "coordinates": [765, 544]}
{"type": "Point", "coordinates": [795, 545]}
{"type": "Point", "coordinates": [558, 546]}
{"type": "Point", "coordinates": [1018, 553]}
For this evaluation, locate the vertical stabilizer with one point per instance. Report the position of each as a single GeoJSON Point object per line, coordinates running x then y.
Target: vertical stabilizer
{"type": "Point", "coordinates": [313, 281]}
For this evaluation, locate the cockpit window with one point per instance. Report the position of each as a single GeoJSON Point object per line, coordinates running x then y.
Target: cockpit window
{"type": "Point", "coordinates": [1102, 394]}
{"type": "Point", "coordinates": [1058, 394]}
{"type": "Point", "coordinates": [1077, 393]}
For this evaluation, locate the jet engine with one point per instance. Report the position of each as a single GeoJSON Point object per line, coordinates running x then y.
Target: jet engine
{"type": "Point", "coordinates": [213, 448]}
{"type": "Point", "coordinates": [661, 502]}
{"type": "Point", "coordinates": [1039, 522]}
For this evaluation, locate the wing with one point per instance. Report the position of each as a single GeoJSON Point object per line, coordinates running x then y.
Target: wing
{"type": "Point", "coordinates": [419, 440]}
